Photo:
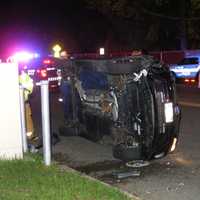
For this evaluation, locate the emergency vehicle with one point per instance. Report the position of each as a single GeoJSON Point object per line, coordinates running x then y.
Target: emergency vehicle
{"type": "Point", "coordinates": [187, 70]}
{"type": "Point", "coordinates": [43, 69]}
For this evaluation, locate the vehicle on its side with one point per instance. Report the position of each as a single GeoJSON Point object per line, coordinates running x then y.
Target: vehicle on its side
{"type": "Point", "coordinates": [130, 100]}
{"type": "Point", "coordinates": [187, 70]}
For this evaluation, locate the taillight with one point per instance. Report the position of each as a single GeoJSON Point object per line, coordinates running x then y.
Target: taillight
{"type": "Point", "coordinates": [47, 61]}
{"type": "Point", "coordinates": [187, 80]}
{"type": "Point", "coordinates": [43, 73]}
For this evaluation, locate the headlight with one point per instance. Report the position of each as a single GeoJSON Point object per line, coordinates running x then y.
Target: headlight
{"type": "Point", "coordinates": [169, 114]}
{"type": "Point", "coordinates": [29, 134]}
{"type": "Point", "coordinates": [173, 147]}
{"type": "Point", "coordinates": [60, 99]}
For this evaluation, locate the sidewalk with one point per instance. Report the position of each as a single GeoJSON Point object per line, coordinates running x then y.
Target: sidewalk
{"type": "Point", "coordinates": [77, 151]}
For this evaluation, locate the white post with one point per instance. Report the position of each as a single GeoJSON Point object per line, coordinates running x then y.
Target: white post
{"type": "Point", "coordinates": [45, 121]}
{"type": "Point", "coordinates": [23, 121]}
{"type": "Point", "coordinates": [161, 56]}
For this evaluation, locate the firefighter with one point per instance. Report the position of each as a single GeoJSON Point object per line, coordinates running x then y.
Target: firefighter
{"type": "Point", "coordinates": [27, 83]}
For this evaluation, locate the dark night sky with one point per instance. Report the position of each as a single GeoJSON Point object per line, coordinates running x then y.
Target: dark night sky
{"type": "Point", "coordinates": [39, 24]}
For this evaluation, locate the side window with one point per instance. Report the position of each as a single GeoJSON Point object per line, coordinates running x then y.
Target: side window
{"type": "Point", "coordinates": [189, 61]}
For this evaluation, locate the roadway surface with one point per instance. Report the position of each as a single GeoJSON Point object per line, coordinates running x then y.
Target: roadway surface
{"type": "Point", "coordinates": [176, 177]}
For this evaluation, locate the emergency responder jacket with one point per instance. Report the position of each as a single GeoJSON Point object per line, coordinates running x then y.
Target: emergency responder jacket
{"type": "Point", "coordinates": [27, 83]}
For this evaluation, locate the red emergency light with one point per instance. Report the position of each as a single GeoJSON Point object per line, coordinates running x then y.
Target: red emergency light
{"type": "Point", "coordinates": [43, 73]}
{"type": "Point", "coordinates": [47, 61]}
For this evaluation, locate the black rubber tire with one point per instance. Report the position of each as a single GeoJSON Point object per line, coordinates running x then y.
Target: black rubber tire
{"type": "Point", "coordinates": [121, 152]}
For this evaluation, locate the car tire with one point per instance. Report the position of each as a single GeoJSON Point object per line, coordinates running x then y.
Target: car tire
{"type": "Point", "coordinates": [126, 154]}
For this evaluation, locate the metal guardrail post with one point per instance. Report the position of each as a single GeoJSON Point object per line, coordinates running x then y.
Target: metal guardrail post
{"type": "Point", "coordinates": [23, 121]}
{"type": "Point", "coordinates": [45, 122]}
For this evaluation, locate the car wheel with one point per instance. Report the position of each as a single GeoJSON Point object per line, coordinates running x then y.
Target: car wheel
{"type": "Point", "coordinates": [122, 152]}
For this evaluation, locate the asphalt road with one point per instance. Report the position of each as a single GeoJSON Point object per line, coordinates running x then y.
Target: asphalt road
{"type": "Point", "coordinates": [176, 177]}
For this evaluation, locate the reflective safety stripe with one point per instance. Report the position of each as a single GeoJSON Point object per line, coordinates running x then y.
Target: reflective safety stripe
{"type": "Point", "coordinates": [50, 68]}
{"type": "Point", "coordinates": [185, 69]}
{"type": "Point", "coordinates": [27, 83]}
{"type": "Point", "coordinates": [54, 78]}
{"type": "Point", "coordinates": [31, 72]}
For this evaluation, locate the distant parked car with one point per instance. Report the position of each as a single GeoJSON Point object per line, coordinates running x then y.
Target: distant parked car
{"type": "Point", "coordinates": [131, 99]}
{"type": "Point", "coordinates": [187, 70]}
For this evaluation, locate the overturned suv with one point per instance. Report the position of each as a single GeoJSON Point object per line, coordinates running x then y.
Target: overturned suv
{"type": "Point", "coordinates": [130, 100]}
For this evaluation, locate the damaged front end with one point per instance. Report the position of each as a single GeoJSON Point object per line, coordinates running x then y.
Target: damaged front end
{"type": "Point", "coordinates": [132, 100]}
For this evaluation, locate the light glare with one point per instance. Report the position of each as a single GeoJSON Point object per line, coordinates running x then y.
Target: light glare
{"type": "Point", "coordinates": [23, 56]}
{"type": "Point", "coordinates": [102, 51]}
{"type": "Point", "coordinates": [169, 115]}
{"type": "Point", "coordinates": [173, 147]}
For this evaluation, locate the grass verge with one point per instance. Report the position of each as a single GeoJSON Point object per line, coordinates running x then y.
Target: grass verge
{"type": "Point", "coordinates": [29, 179]}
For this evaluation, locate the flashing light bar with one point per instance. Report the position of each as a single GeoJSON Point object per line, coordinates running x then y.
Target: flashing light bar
{"type": "Point", "coordinates": [22, 56]}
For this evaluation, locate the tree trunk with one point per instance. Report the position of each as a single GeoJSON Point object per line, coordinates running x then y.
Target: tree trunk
{"type": "Point", "coordinates": [183, 34]}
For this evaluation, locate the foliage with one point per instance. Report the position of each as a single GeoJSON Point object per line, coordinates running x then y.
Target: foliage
{"type": "Point", "coordinates": [161, 18]}
{"type": "Point", "coordinates": [30, 179]}
{"type": "Point", "coordinates": [124, 8]}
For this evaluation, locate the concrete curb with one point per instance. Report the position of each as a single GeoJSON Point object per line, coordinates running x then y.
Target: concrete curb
{"type": "Point", "coordinates": [66, 168]}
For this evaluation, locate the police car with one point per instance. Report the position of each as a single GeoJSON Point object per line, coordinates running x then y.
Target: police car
{"type": "Point", "coordinates": [44, 69]}
{"type": "Point", "coordinates": [187, 70]}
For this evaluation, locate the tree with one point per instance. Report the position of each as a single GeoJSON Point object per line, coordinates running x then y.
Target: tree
{"type": "Point", "coordinates": [161, 19]}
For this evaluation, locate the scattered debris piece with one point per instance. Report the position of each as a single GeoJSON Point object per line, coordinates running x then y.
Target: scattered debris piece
{"type": "Point", "coordinates": [137, 163]}
{"type": "Point", "coordinates": [181, 184]}
{"type": "Point", "coordinates": [126, 174]}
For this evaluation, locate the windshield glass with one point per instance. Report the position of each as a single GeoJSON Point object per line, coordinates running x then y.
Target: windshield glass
{"type": "Point", "coordinates": [93, 80]}
{"type": "Point", "coordinates": [189, 61]}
